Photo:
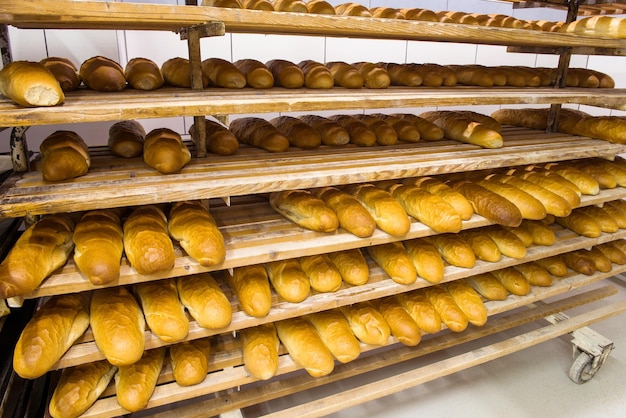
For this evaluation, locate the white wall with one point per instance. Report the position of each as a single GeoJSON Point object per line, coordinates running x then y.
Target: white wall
{"type": "Point", "coordinates": [160, 46]}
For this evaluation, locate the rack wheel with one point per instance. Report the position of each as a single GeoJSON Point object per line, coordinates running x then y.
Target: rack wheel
{"type": "Point", "coordinates": [583, 368]}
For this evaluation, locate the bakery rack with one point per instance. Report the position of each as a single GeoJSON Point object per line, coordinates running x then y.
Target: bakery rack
{"type": "Point", "coordinates": [263, 236]}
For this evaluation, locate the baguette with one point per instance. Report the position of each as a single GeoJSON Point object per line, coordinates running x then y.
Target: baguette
{"type": "Point", "coordinates": [514, 282]}
{"type": "Point", "coordinates": [488, 286]}
{"type": "Point", "coordinates": [426, 259]}
{"type": "Point", "coordinates": [612, 252]}
{"type": "Point", "coordinates": [464, 129]}
{"type": "Point", "coordinates": [428, 130]}
{"type": "Point", "coordinates": [98, 246]}
{"type": "Point", "coordinates": [64, 156]}
{"type": "Point", "coordinates": [402, 75]}
{"type": "Point", "coordinates": [79, 387]}
{"type": "Point", "coordinates": [305, 346]}
{"type": "Point", "coordinates": [345, 75]}
{"type": "Point", "coordinates": [191, 224]}
{"type": "Point", "coordinates": [554, 184]}
{"type": "Point", "coordinates": [305, 210]}
{"type": "Point", "coordinates": [102, 74]}
{"type": "Point", "coordinates": [469, 301]}
{"type": "Point", "coordinates": [336, 334]}
{"type": "Point", "coordinates": [555, 265]}
{"type": "Point", "coordinates": [401, 324]}
{"type": "Point", "coordinates": [388, 213]}
{"type": "Point", "coordinates": [50, 333]}
{"type": "Point", "coordinates": [316, 75]}
{"type": "Point", "coordinates": [459, 202]}
{"type": "Point", "coordinates": [602, 217]}
{"type": "Point", "coordinates": [64, 71]}
{"type": "Point", "coordinates": [332, 133]}
{"type": "Point", "coordinates": [257, 5]}
{"type": "Point", "coordinates": [252, 287]}
{"type": "Point", "coordinates": [488, 204]}
{"type": "Point", "coordinates": [528, 205]}
{"type": "Point", "coordinates": [508, 243]}
{"type": "Point", "coordinates": [219, 139]}
{"type": "Point", "coordinates": [405, 130]}
{"type": "Point", "coordinates": [205, 301]}
{"type": "Point", "coordinates": [435, 75]}
{"type": "Point", "coordinates": [601, 26]}
{"type": "Point", "coordinates": [190, 361]}
{"type": "Point", "coordinates": [360, 133]}
{"type": "Point", "coordinates": [164, 150]}
{"type": "Point", "coordinates": [352, 266]}
{"type": "Point", "coordinates": [298, 133]}
{"type": "Point", "coordinates": [581, 223]}
{"type": "Point", "coordinates": [536, 274]}
{"type": "Point", "coordinates": [522, 233]}
{"type": "Point", "coordinates": [147, 244]}
{"type": "Point", "coordinates": [233, 4]}
{"type": "Point", "coordinates": [143, 74]}
{"type": "Point", "coordinates": [161, 306]}
{"type": "Point", "coordinates": [258, 76]}
{"type": "Point", "coordinates": [39, 251]}
{"type": "Point", "coordinates": [374, 76]}
{"type": "Point", "coordinates": [223, 73]}
{"type": "Point", "coordinates": [472, 75]}
{"type": "Point", "coordinates": [423, 15]}
{"type": "Point", "coordinates": [528, 118]}
{"type": "Point", "coordinates": [385, 133]}
{"type": "Point", "coordinates": [584, 181]}
{"type": "Point", "coordinates": [394, 259]}
{"type": "Point", "coordinates": [367, 323]}
{"type": "Point", "coordinates": [605, 177]}
{"type": "Point", "coordinates": [322, 273]}
{"type": "Point", "coordinates": [286, 74]}
{"type": "Point", "coordinates": [421, 310]}
{"type": "Point", "coordinates": [386, 13]}
{"type": "Point", "coordinates": [260, 346]}
{"type": "Point", "coordinates": [259, 133]}
{"type": "Point", "coordinates": [118, 325]}
{"type": "Point", "coordinates": [449, 312]}
{"type": "Point", "coordinates": [352, 9]}
{"type": "Point", "coordinates": [135, 383]}
{"type": "Point", "coordinates": [289, 280]}
{"type": "Point", "coordinates": [352, 216]}
{"type": "Point", "coordinates": [321, 7]}
{"type": "Point", "coordinates": [296, 6]}
{"type": "Point", "coordinates": [541, 233]}
{"type": "Point", "coordinates": [602, 262]}
{"type": "Point", "coordinates": [177, 72]}
{"type": "Point", "coordinates": [616, 169]}
{"type": "Point", "coordinates": [454, 250]}
{"type": "Point", "coordinates": [483, 246]}
{"type": "Point", "coordinates": [580, 262]}
{"type": "Point", "coordinates": [126, 138]}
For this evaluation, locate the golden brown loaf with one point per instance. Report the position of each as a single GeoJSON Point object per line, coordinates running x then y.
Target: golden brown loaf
{"type": "Point", "coordinates": [50, 333]}
{"type": "Point", "coordinates": [260, 346]}
{"type": "Point", "coordinates": [64, 156]}
{"type": "Point", "coordinates": [424, 15]}
{"type": "Point", "coordinates": [605, 178]}
{"type": "Point", "coordinates": [540, 232]}
{"type": "Point", "coordinates": [352, 9]}
{"type": "Point", "coordinates": [126, 138]}
{"type": "Point", "coordinates": [536, 274]}
{"type": "Point", "coordinates": [321, 7]}
{"type": "Point", "coordinates": [580, 262]}
{"type": "Point", "coordinates": [305, 346]}
{"type": "Point", "coordinates": [64, 71]}
{"type": "Point", "coordinates": [299, 133]}
{"type": "Point", "coordinates": [331, 132]}
{"type": "Point", "coordinates": [601, 26]}
{"type": "Point", "coordinates": [421, 310]}
{"type": "Point", "coordinates": [492, 206]}
{"type": "Point", "coordinates": [223, 73]}
{"type": "Point", "coordinates": [352, 266]}
{"type": "Point", "coordinates": [581, 223]}
{"type": "Point", "coordinates": [79, 387]}
{"type": "Point", "coordinates": [147, 244]}
{"type": "Point", "coordinates": [352, 216]}
{"type": "Point", "coordinates": [289, 280]}
{"type": "Point", "coordinates": [191, 224]}
{"type": "Point", "coordinates": [616, 169]}
{"type": "Point", "coordinates": [164, 150]}
{"type": "Point", "coordinates": [584, 181]}
{"type": "Point", "coordinates": [30, 84]}
{"type": "Point", "coordinates": [190, 361]}
{"type": "Point", "coordinates": [257, 74]}
{"type": "Point", "coordinates": [522, 233]}
{"type": "Point", "coordinates": [528, 118]}
{"type": "Point", "coordinates": [385, 133]}
{"type": "Point", "coordinates": [454, 250]}
{"type": "Point", "coordinates": [386, 13]}
{"type": "Point", "coordinates": [603, 263]}
{"type": "Point", "coordinates": [469, 301]}
{"type": "Point", "coordinates": [98, 246]}
{"type": "Point", "coordinates": [555, 265]}
{"type": "Point", "coordinates": [359, 132]}
{"type": "Point", "coordinates": [464, 129]}
{"type": "Point", "coordinates": [449, 312]}
{"type": "Point", "coordinates": [344, 74]}
{"type": "Point", "coordinates": [402, 75]}
{"type": "Point", "coordinates": [426, 259]}
{"type": "Point", "coordinates": [484, 248]}
{"type": "Point", "coordinates": [428, 130]}
{"type": "Point", "coordinates": [252, 287]}
{"type": "Point", "coordinates": [102, 74]}
{"type": "Point", "coordinates": [405, 130]}
{"type": "Point", "coordinates": [39, 251]}
{"type": "Point", "coordinates": [304, 209]}
{"type": "Point", "coordinates": [296, 6]}
{"type": "Point", "coordinates": [222, 3]}
{"type": "Point", "coordinates": [367, 323]}
{"type": "Point", "coordinates": [118, 325]}
{"type": "Point", "coordinates": [259, 133]}
{"type": "Point", "coordinates": [602, 217]}
{"type": "Point", "coordinates": [401, 324]}
{"type": "Point", "coordinates": [528, 205]}
{"type": "Point", "coordinates": [205, 301]}
{"type": "Point", "coordinates": [134, 384]}
{"type": "Point", "coordinates": [488, 286]}
{"type": "Point", "coordinates": [219, 139]}
{"type": "Point", "coordinates": [143, 74]}
{"type": "Point", "coordinates": [177, 72]}
{"type": "Point", "coordinates": [286, 74]}
{"type": "Point", "coordinates": [459, 202]}
{"type": "Point", "coordinates": [257, 5]}
{"type": "Point", "coordinates": [374, 76]}
{"type": "Point", "coordinates": [164, 313]}
{"type": "Point", "coordinates": [508, 243]}
{"type": "Point", "coordinates": [513, 281]}
{"type": "Point", "coordinates": [334, 330]}
{"type": "Point", "coordinates": [612, 252]}
{"type": "Point", "coordinates": [394, 259]}
{"type": "Point", "coordinates": [388, 213]}
{"type": "Point", "coordinates": [316, 75]}
{"type": "Point", "coordinates": [472, 75]}
{"type": "Point", "coordinates": [553, 184]}
{"type": "Point", "coordinates": [322, 273]}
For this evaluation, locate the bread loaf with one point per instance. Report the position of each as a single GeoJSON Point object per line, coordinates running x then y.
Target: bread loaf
{"type": "Point", "coordinates": [395, 261]}
{"type": "Point", "coordinates": [98, 246]}
{"type": "Point", "coordinates": [79, 387]}
{"type": "Point", "coordinates": [421, 310]}
{"type": "Point", "coordinates": [289, 280]}
{"type": "Point", "coordinates": [321, 7]}
{"type": "Point", "coordinates": [359, 132]}
{"type": "Point", "coordinates": [528, 205]}
{"type": "Point", "coordinates": [426, 259]}
{"type": "Point", "coordinates": [126, 138]}
{"type": "Point", "coordinates": [259, 133]}
{"type": "Point", "coordinates": [30, 84]}
{"type": "Point", "coordinates": [147, 244]}
{"type": "Point", "coordinates": [367, 323]}
{"type": "Point", "coordinates": [488, 204]}
{"type": "Point", "coordinates": [555, 265]}
{"type": "Point", "coordinates": [605, 178]}
{"type": "Point", "coordinates": [305, 346]}
{"type": "Point", "coordinates": [304, 209]}
{"type": "Point", "coordinates": [352, 266]}
{"type": "Point", "coordinates": [601, 26]}
{"type": "Point", "coordinates": [190, 361]}
{"type": "Point", "coordinates": [64, 71]}
{"type": "Point", "coordinates": [50, 333]}
{"type": "Point", "coordinates": [252, 287]}
{"type": "Point", "coordinates": [39, 251]}
{"type": "Point", "coordinates": [118, 325]}
{"type": "Point", "coordinates": [260, 346]}
{"type": "Point", "coordinates": [177, 72]}
{"type": "Point", "coordinates": [405, 130]}
{"type": "Point", "coordinates": [617, 209]}
{"type": "Point", "coordinates": [514, 282]}
{"type": "Point", "coordinates": [257, 74]}
{"type": "Point", "coordinates": [580, 262]}
{"type": "Point", "coordinates": [386, 13]}
{"type": "Point", "coordinates": [388, 213]}
{"type": "Point", "coordinates": [426, 207]}
{"type": "Point", "coordinates": [219, 139]}
{"type": "Point", "coordinates": [424, 15]}
{"type": "Point", "coordinates": [64, 156]}
{"type": "Point", "coordinates": [581, 223]}
{"type": "Point", "coordinates": [612, 252]}
{"type": "Point", "coordinates": [161, 306]}
{"type": "Point", "coordinates": [336, 334]}
{"type": "Point", "coordinates": [352, 9]}
{"type": "Point", "coordinates": [483, 246]}
{"type": "Point", "coordinates": [331, 132]}
{"type": "Point", "coordinates": [102, 74]}
{"type": "Point", "coordinates": [164, 150]}
{"type": "Point", "coordinates": [602, 217]}
{"type": "Point", "coordinates": [508, 243]}
{"type": "Point", "coordinates": [191, 224]}
{"type": "Point", "coordinates": [618, 172]}
{"type": "Point", "coordinates": [602, 262]}
{"type": "Point", "coordinates": [435, 75]}
{"type": "Point", "coordinates": [522, 233]}
{"type": "Point", "coordinates": [297, 132]}
{"type": "Point", "coordinates": [469, 301]}
{"type": "Point", "coordinates": [449, 312]}
{"type": "Point", "coordinates": [205, 301]}
{"type": "Point", "coordinates": [223, 73]}
{"type": "Point", "coordinates": [536, 274]}
{"type": "Point", "coordinates": [472, 75]}
{"type": "Point", "coordinates": [401, 324]}
{"type": "Point", "coordinates": [296, 6]}
{"type": "Point", "coordinates": [454, 250]}
{"type": "Point", "coordinates": [428, 130]}
{"type": "Point", "coordinates": [464, 129]}
{"type": "Point", "coordinates": [540, 232]}
{"type": "Point", "coordinates": [316, 74]}
{"type": "Point", "coordinates": [286, 74]}
{"type": "Point", "coordinates": [402, 75]}
{"type": "Point", "coordinates": [322, 273]}
{"type": "Point", "coordinates": [352, 216]}
{"type": "Point", "coordinates": [134, 384]}
{"type": "Point", "coordinates": [552, 184]}
{"type": "Point", "coordinates": [459, 202]}
{"type": "Point", "coordinates": [488, 286]}
{"type": "Point", "coordinates": [344, 74]}
{"type": "Point", "coordinates": [528, 118]}
{"type": "Point", "coordinates": [374, 76]}
{"type": "Point", "coordinates": [257, 5]}
{"type": "Point", "coordinates": [584, 181]}
{"type": "Point", "coordinates": [143, 74]}
{"type": "Point", "coordinates": [385, 133]}
{"type": "Point", "coordinates": [233, 4]}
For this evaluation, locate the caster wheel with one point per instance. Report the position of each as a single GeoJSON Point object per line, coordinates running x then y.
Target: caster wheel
{"type": "Point", "coordinates": [582, 370]}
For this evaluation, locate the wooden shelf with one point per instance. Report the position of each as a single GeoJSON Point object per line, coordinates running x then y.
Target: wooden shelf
{"type": "Point", "coordinates": [90, 106]}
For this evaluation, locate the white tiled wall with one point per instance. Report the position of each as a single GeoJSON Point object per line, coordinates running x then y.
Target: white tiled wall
{"type": "Point", "coordinates": [79, 45]}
